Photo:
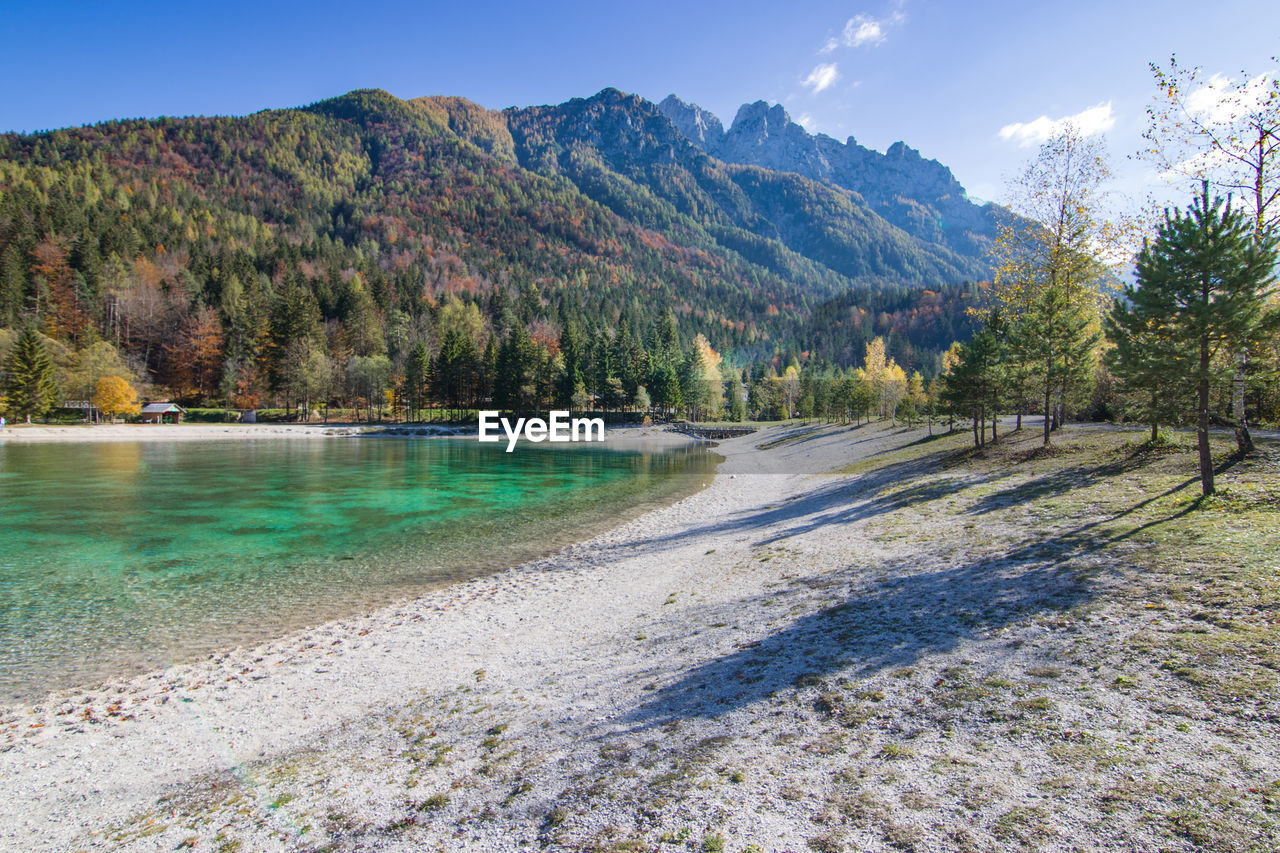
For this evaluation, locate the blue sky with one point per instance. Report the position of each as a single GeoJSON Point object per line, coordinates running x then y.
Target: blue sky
{"type": "Point", "coordinates": [946, 77]}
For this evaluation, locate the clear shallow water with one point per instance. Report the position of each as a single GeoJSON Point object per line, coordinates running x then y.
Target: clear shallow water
{"type": "Point", "coordinates": [118, 558]}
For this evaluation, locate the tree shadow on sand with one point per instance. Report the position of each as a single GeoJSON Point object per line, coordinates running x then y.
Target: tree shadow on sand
{"type": "Point", "coordinates": [897, 620]}
{"type": "Point", "coordinates": [843, 501]}
{"type": "Point", "coordinates": [892, 623]}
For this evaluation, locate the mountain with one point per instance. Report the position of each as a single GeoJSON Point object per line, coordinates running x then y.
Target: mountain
{"type": "Point", "coordinates": [206, 248]}
{"type": "Point", "coordinates": [763, 189]}
{"type": "Point", "coordinates": [920, 196]}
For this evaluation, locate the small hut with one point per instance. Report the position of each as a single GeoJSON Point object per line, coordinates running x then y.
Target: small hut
{"type": "Point", "coordinates": [162, 413]}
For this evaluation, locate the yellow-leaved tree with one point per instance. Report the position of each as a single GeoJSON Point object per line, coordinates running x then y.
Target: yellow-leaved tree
{"type": "Point", "coordinates": [115, 397]}
{"type": "Point", "coordinates": [1050, 274]}
{"type": "Point", "coordinates": [888, 381]}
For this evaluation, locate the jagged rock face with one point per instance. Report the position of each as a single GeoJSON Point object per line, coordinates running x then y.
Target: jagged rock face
{"type": "Point", "coordinates": [700, 126]}
{"type": "Point", "coordinates": [800, 204]}
{"type": "Point", "coordinates": [766, 136]}
{"type": "Point", "coordinates": [918, 195]}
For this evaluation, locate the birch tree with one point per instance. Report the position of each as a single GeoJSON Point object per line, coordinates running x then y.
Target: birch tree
{"type": "Point", "coordinates": [1049, 276]}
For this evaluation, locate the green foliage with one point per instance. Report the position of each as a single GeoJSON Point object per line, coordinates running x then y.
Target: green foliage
{"type": "Point", "coordinates": [247, 261]}
{"type": "Point", "coordinates": [975, 385]}
{"type": "Point", "coordinates": [29, 382]}
{"type": "Point", "coordinates": [1203, 286]}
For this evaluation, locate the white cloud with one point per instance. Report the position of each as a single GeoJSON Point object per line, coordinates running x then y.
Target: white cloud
{"type": "Point", "coordinates": [805, 120]}
{"type": "Point", "coordinates": [822, 76]}
{"type": "Point", "coordinates": [1096, 119]}
{"type": "Point", "coordinates": [862, 30]}
{"type": "Point", "coordinates": [1220, 100]}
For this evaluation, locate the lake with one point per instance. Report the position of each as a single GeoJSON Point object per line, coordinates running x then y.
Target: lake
{"type": "Point", "coordinates": [119, 558]}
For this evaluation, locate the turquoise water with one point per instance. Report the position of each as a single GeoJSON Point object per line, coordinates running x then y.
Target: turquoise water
{"type": "Point", "coordinates": [117, 558]}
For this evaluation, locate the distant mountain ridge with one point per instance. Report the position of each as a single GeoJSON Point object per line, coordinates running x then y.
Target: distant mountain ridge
{"type": "Point", "coordinates": [920, 196]}
{"type": "Point", "coordinates": [765, 188]}
{"type": "Point", "coordinates": [367, 212]}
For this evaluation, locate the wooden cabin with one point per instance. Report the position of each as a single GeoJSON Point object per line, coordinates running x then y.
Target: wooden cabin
{"type": "Point", "coordinates": [162, 413]}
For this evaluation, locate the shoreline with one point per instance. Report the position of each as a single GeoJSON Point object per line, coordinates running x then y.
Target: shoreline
{"type": "Point", "coordinates": [149, 732]}
{"type": "Point", "coordinates": [854, 638]}
{"type": "Point", "coordinates": [465, 568]}
{"type": "Point", "coordinates": [629, 437]}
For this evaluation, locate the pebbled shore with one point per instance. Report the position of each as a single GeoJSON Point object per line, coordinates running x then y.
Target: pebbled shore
{"type": "Point", "coordinates": [899, 656]}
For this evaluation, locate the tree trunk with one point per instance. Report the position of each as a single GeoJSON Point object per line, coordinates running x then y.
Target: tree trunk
{"type": "Point", "coordinates": [994, 418]}
{"type": "Point", "coordinates": [1244, 441]}
{"type": "Point", "coordinates": [1202, 420]}
{"type": "Point", "coordinates": [1048, 412]}
{"type": "Point", "coordinates": [1155, 432]}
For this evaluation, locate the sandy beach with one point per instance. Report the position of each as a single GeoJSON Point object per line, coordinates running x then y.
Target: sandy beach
{"type": "Point", "coordinates": [41, 433]}
{"type": "Point", "coordinates": [629, 437]}
{"type": "Point", "coordinates": [797, 657]}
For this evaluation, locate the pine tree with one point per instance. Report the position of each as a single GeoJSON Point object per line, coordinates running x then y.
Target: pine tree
{"type": "Point", "coordinates": [572, 376]}
{"type": "Point", "coordinates": [1061, 336]}
{"type": "Point", "coordinates": [1207, 278]}
{"type": "Point", "coordinates": [455, 368]}
{"type": "Point", "coordinates": [973, 383]}
{"type": "Point", "coordinates": [1154, 367]}
{"type": "Point", "coordinates": [30, 384]}
{"type": "Point", "coordinates": [513, 373]}
{"type": "Point", "coordinates": [416, 373]}
{"type": "Point", "coordinates": [13, 285]}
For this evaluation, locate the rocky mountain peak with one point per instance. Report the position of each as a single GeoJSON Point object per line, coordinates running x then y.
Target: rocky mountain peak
{"type": "Point", "coordinates": [917, 194]}
{"type": "Point", "coordinates": [700, 126]}
{"type": "Point", "coordinates": [902, 151]}
{"type": "Point", "coordinates": [761, 121]}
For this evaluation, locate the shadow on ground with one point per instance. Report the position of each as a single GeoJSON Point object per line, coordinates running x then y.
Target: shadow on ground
{"type": "Point", "coordinates": [904, 616]}
{"type": "Point", "coordinates": [892, 623]}
{"type": "Point", "coordinates": [843, 501]}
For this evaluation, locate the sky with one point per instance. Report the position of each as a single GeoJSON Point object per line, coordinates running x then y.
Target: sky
{"type": "Point", "coordinates": [974, 85]}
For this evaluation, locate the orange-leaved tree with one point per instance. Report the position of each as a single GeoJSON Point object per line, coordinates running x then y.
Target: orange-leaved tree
{"type": "Point", "coordinates": [115, 396]}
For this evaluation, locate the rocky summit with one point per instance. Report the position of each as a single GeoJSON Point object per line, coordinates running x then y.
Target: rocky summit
{"type": "Point", "coordinates": [918, 195]}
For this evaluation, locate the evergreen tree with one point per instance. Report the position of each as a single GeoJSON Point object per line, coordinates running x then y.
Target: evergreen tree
{"type": "Point", "coordinates": [1208, 277]}
{"type": "Point", "coordinates": [295, 318]}
{"type": "Point", "coordinates": [486, 377]}
{"type": "Point", "coordinates": [572, 376]}
{"type": "Point", "coordinates": [513, 380]}
{"type": "Point", "coordinates": [1059, 336]}
{"type": "Point", "coordinates": [30, 385]}
{"type": "Point", "coordinates": [692, 387]}
{"type": "Point", "coordinates": [973, 384]}
{"type": "Point", "coordinates": [1154, 368]}
{"type": "Point", "coordinates": [664, 386]}
{"type": "Point", "coordinates": [417, 372]}
{"type": "Point", "coordinates": [455, 368]}
{"type": "Point", "coordinates": [13, 285]}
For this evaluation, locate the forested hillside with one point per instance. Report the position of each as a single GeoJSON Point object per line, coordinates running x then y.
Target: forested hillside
{"type": "Point", "coordinates": [367, 249]}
